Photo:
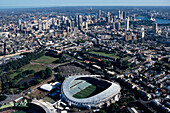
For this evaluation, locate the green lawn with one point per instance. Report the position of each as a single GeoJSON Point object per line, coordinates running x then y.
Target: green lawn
{"type": "Point", "coordinates": [6, 105]}
{"type": "Point", "coordinates": [85, 92]}
{"type": "Point", "coordinates": [48, 99]}
{"type": "Point", "coordinates": [46, 60]}
{"type": "Point", "coordinates": [35, 67]}
{"type": "Point", "coordinates": [126, 58]}
{"type": "Point", "coordinates": [105, 54]}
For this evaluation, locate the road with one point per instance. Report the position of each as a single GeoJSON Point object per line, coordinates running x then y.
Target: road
{"type": "Point", "coordinates": [11, 55]}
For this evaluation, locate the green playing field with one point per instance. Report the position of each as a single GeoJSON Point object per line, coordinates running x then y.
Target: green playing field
{"type": "Point", "coordinates": [85, 92]}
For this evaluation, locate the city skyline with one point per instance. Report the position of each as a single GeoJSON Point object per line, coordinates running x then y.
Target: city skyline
{"type": "Point", "coordinates": [54, 3]}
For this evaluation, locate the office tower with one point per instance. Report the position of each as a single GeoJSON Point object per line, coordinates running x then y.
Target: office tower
{"type": "Point", "coordinates": [166, 34]}
{"type": "Point", "coordinates": [155, 28]}
{"type": "Point", "coordinates": [68, 23]}
{"type": "Point", "coordinates": [72, 24]}
{"type": "Point", "coordinates": [113, 25]}
{"type": "Point", "coordinates": [114, 18]}
{"type": "Point", "coordinates": [117, 25]}
{"type": "Point", "coordinates": [58, 22]}
{"type": "Point", "coordinates": [80, 20]}
{"type": "Point", "coordinates": [19, 22]}
{"type": "Point", "coordinates": [21, 27]}
{"type": "Point", "coordinates": [108, 17]}
{"type": "Point", "coordinates": [127, 24]}
{"type": "Point", "coordinates": [87, 25]}
{"type": "Point", "coordinates": [46, 25]}
{"type": "Point", "coordinates": [25, 25]}
{"type": "Point", "coordinates": [99, 14]}
{"type": "Point", "coordinates": [124, 15]}
{"type": "Point", "coordinates": [53, 21]}
{"type": "Point", "coordinates": [142, 33]}
{"type": "Point", "coordinates": [40, 25]}
{"type": "Point", "coordinates": [119, 14]}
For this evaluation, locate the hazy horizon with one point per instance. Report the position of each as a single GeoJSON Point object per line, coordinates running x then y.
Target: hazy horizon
{"type": "Point", "coordinates": [25, 7]}
{"type": "Point", "coordinates": [7, 4]}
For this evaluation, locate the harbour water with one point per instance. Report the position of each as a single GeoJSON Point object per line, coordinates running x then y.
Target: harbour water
{"type": "Point", "coordinates": [158, 21]}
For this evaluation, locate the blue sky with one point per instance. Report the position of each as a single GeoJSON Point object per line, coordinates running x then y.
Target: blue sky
{"type": "Point", "coordinates": [50, 3]}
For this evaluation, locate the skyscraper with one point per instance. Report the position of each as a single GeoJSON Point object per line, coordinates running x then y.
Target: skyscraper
{"type": "Point", "coordinates": [155, 28]}
{"type": "Point", "coordinates": [19, 22]}
{"type": "Point", "coordinates": [53, 21]}
{"type": "Point", "coordinates": [113, 25]}
{"type": "Point", "coordinates": [119, 14]}
{"type": "Point", "coordinates": [124, 15]}
{"type": "Point", "coordinates": [99, 14]}
{"type": "Point", "coordinates": [79, 20]}
{"type": "Point", "coordinates": [127, 24]}
{"type": "Point", "coordinates": [117, 25]}
{"type": "Point", "coordinates": [142, 33]}
{"type": "Point", "coordinates": [108, 17]}
{"type": "Point", "coordinates": [40, 25]}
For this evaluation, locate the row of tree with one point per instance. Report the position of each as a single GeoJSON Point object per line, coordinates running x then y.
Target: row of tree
{"type": "Point", "coordinates": [23, 74]}
{"type": "Point", "coordinates": [44, 74]}
{"type": "Point", "coordinates": [17, 87]}
{"type": "Point", "coordinates": [16, 64]}
{"type": "Point", "coordinates": [52, 54]}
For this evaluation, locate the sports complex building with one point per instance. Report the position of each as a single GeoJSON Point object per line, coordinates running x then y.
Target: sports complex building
{"type": "Point", "coordinates": [89, 91]}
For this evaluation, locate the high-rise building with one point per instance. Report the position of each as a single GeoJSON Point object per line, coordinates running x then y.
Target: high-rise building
{"type": "Point", "coordinates": [119, 15]}
{"type": "Point", "coordinates": [113, 25]}
{"type": "Point", "coordinates": [99, 14]}
{"type": "Point", "coordinates": [127, 24]}
{"type": "Point", "coordinates": [155, 28]}
{"type": "Point", "coordinates": [53, 21]}
{"type": "Point", "coordinates": [124, 15]}
{"type": "Point", "coordinates": [142, 33]}
{"type": "Point", "coordinates": [40, 25]}
{"type": "Point", "coordinates": [80, 20]}
{"type": "Point", "coordinates": [19, 22]}
{"type": "Point", "coordinates": [108, 17]}
{"type": "Point", "coordinates": [86, 26]}
{"type": "Point", "coordinates": [58, 22]}
{"type": "Point", "coordinates": [46, 25]}
{"type": "Point", "coordinates": [117, 25]}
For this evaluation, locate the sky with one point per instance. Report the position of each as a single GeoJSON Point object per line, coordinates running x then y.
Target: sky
{"type": "Point", "coordinates": [52, 3]}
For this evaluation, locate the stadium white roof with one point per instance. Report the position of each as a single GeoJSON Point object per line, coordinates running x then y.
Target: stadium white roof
{"type": "Point", "coordinates": [101, 97]}
{"type": "Point", "coordinates": [47, 87]}
{"type": "Point", "coordinates": [48, 108]}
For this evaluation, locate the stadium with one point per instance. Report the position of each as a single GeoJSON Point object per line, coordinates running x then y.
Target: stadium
{"type": "Point", "coordinates": [89, 91]}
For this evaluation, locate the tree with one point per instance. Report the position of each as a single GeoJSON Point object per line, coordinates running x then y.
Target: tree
{"type": "Point", "coordinates": [115, 107]}
{"type": "Point", "coordinates": [2, 97]}
{"type": "Point", "coordinates": [42, 73]}
{"type": "Point", "coordinates": [25, 85]}
{"type": "Point", "coordinates": [48, 72]}
{"type": "Point", "coordinates": [102, 111]}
